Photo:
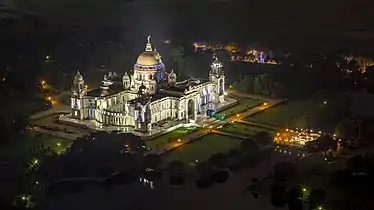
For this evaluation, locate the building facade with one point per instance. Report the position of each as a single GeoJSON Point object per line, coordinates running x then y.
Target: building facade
{"type": "Point", "coordinates": [148, 96]}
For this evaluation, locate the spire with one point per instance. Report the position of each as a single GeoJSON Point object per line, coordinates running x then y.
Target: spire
{"type": "Point", "coordinates": [148, 47]}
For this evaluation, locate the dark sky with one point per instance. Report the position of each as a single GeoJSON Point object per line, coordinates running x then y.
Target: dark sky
{"type": "Point", "coordinates": [263, 21]}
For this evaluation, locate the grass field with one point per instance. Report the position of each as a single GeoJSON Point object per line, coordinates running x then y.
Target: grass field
{"type": "Point", "coordinates": [283, 114]}
{"type": "Point", "coordinates": [242, 104]}
{"type": "Point", "coordinates": [243, 129]}
{"type": "Point", "coordinates": [169, 136]}
{"type": "Point", "coordinates": [201, 149]}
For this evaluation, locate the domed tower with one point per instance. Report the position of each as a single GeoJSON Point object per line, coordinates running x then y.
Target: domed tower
{"type": "Point", "coordinates": [105, 86]}
{"type": "Point", "coordinates": [148, 70]}
{"type": "Point", "coordinates": [217, 76]}
{"type": "Point", "coordinates": [126, 80]}
{"type": "Point", "coordinates": [172, 78]}
{"type": "Point", "coordinates": [142, 90]}
{"type": "Point", "coordinates": [78, 91]}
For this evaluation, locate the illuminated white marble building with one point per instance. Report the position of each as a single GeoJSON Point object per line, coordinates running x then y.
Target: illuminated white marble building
{"type": "Point", "coordinates": [148, 96]}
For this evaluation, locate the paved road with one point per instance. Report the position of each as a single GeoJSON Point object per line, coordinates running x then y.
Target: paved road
{"type": "Point", "coordinates": [270, 102]}
{"type": "Point", "coordinates": [61, 134]}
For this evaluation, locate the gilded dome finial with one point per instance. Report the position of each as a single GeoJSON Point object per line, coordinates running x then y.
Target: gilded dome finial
{"type": "Point", "coordinates": [148, 47]}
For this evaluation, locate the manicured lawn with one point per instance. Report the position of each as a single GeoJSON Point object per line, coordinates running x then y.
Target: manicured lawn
{"type": "Point", "coordinates": [283, 114]}
{"type": "Point", "coordinates": [243, 129]}
{"type": "Point", "coordinates": [242, 104]}
{"type": "Point", "coordinates": [169, 136]}
{"type": "Point", "coordinates": [201, 149]}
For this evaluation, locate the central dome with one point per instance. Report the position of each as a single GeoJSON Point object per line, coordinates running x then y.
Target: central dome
{"type": "Point", "coordinates": [148, 58]}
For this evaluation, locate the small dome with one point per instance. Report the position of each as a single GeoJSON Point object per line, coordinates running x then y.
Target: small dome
{"type": "Point", "coordinates": [126, 76]}
{"type": "Point", "coordinates": [172, 74]}
{"type": "Point", "coordinates": [78, 77]}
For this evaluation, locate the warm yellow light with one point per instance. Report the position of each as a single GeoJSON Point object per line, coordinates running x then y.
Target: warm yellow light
{"type": "Point", "coordinates": [42, 82]}
{"type": "Point", "coordinates": [179, 140]}
{"type": "Point", "coordinates": [86, 86]}
{"type": "Point", "coordinates": [58, 144]}
{"type": "Point", "coordinates": [265, 104]}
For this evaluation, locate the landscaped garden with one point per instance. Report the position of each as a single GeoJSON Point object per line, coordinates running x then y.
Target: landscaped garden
{"type": "Point", "coordinates": [172, 135]}
{"type": "Point", "coordinates": [243, 129]}
{"type": "Point", "coordinates": [201, 149]}
{"type": "Point", "coordinates": [241, 106]}
{"type": "Point", "coordinates": [283, 114]}
{"type": "Point", "coordinates": [26, 143]}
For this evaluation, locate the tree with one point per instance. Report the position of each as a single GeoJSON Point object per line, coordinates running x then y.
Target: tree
{"type": "Point", "coordinates": [293, 199]}
{"type": "Point", "coordinates": [317, 198]}
{"type": "Point", "coordinates": [204, 174]}
{"type": "Point", "coordinates": [248, 146]}
{"type": "Point", "coordinates": [326, 143]}
{"type": "Point", "coordinates": [283, 170]}
{"type": "Point", "coordinates": [263, 138]}
{"type": "Point", "coordinates": [346, 130]}
{"type": "Point", "coordinates": [295, 204]}
{"type": "Point", "coordinates": [278, 196]}
{"type": "Point", "coordinates": [20, 123]}
{"type": "Point", "coordinates": [220, 176]}
{"type": "Point", "coordinates": [152, 161]}
{"type": "Point", "coordinates": [234, 159]}
{"type": "Point", "coordinates": [218, 160]}
{"type": "Point", "coordinates": [360, 164]}
{"type": "Point", "coordinates": [176, 172]}
{"type": "Point", "coordinates": [300, 122]}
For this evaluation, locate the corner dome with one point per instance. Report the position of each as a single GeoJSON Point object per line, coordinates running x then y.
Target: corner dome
{"type": "Point", "coordinates": [78, 77]}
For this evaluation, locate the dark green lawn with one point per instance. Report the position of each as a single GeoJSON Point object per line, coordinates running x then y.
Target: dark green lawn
{"type": "Point", "coordinates": [283, 114]}
{"type": "Point", "coordinates": [172, 135]}
{"type": "Point", "coordinates": [242, 104]}
{"type": "Point", "coordinates": [243, 129]}
{"type": "Point", "coordinates": [201, 149]}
